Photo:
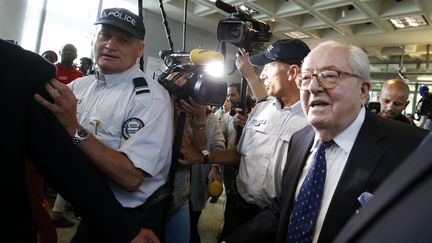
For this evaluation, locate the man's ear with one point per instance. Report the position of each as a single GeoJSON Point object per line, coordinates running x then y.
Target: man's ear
{"type": "Point", "coordinates": [140, 50]}
{"type": "Point", "coordinates": [364, 90]}
{"type": "Point", "coordinates": [293, 71]}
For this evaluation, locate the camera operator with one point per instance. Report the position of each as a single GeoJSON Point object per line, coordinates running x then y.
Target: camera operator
{"type": "Point", "coordinates": [122, 120]}
{"type": "Point", "coordinates": [201, 132]}
{"type": "Point", "coordinates": [424, 108]}
{"type": "Point", "coordinates": [262, 148]}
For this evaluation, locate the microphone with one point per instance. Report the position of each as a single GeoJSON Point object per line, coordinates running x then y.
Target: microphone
{"type": "Point", "coordinates": [225, 7]}
{"type": "Point", "coordinates": [200, 56]}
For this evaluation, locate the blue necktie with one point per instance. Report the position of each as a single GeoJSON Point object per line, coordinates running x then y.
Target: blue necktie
{"type": "Point", "coordinates": [305, 212]}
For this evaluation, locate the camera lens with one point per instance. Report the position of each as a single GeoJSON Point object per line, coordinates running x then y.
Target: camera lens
{"type": "Point", "coordinates": [235, 32]}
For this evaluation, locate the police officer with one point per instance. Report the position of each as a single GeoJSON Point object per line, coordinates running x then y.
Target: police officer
{"type": "Point", "coordinates": [264, 142]}
{"type": "Point", "coordinates": [122, 120]}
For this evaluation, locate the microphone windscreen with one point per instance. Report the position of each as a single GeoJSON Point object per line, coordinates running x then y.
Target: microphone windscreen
{"type": "Point", "coordinates": [225, 7]}
{"type": "Point", "coordinates": [200, 56]}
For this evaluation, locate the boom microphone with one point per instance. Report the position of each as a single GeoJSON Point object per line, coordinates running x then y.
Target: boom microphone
{"type": "Point", "coordinates": [225, 7]}
{"type": "Point", "coordinates": [201, 57]}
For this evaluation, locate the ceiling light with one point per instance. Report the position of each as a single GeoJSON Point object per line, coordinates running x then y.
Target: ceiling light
{"type": "Point", "coordinates": [424, 78]}
{"type": "Point", "coordinates": [213, 1]}
{"type": "Point", "coordinates": [249, 10]}
{"type": "Point", "coordinates": [296, 34]}
{"type": "Point", "coordinates": [409, 22]}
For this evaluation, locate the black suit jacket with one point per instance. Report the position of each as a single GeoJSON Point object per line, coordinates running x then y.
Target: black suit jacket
{"type": "Point", "coordinates": [381, 145]}
{"type": "Point", "coordinates": [401, 208]}
{"type": "Point", "coordinates": [29, 130]}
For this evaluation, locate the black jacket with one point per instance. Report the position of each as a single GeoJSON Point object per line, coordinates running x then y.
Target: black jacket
{"type": "Point", "coordinates": [29, 130]}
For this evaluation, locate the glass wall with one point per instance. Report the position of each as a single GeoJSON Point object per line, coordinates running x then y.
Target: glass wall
{"type": "Point", "coordinates": [66, 22]}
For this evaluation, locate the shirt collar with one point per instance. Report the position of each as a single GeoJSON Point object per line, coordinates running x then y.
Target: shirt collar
{"type": "Point", "coordinates": [294, 107]}
{"type": "Point", "coordinates": [116, 78]}
{"type": "Point", "coordinates": [345, 139]}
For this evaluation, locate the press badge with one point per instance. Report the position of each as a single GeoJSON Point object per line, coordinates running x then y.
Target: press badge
{"type": "Point", "coordinates": [131, 126]}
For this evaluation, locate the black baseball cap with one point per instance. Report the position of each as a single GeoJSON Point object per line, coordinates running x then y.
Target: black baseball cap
{"type": "Point", "coordinates": [289, 51]}
{"type": "Point", "coordinates": [124, 20]}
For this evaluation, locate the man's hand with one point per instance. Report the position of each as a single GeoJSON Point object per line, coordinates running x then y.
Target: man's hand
{"type": "Point", "coordinates": [64, 106]}
{"type": "Point", "coordinates": [146, 236]}
{"type": "Point", "coordinates": [193, 108]}
{"type": "Point", "coordinates": [179, 78]}
{"type": "Point", "coordinates": [245, 68]}
{"type": "Point", "coordinates": [214, 174]}
{"type": "Point", "coordinates": [240, 119]}
{"type": "Point", "coordinates": [190, 155]}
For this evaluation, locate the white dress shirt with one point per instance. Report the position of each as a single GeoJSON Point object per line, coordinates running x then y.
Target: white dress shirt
{"type": "Point", "coordinates": [336, 158]}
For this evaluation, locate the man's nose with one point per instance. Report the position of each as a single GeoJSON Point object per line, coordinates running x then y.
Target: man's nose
{"type": "Point", "coordinates": [314, 85]}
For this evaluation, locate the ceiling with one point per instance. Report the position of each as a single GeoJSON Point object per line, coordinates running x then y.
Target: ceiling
{"type": "Point", "coordinates": [364, 23]}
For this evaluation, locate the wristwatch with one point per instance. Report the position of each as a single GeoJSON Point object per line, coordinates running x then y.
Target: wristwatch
{"type": "Point", "coordinates": [81, 134]}
{"type": "Point", "coordinates": [205, 154]}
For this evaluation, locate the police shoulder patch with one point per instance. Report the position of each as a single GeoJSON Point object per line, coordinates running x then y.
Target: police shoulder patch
{"type": "Point", "coordinates": [131, 126]}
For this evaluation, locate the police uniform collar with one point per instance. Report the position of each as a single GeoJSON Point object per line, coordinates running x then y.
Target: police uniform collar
{"type": "Point", "coordinates": [116, 78]}
{"type": "Point", "coordinates": [278, 104]}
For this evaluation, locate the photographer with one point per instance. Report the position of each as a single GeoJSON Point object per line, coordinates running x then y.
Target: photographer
{"type": "Point", "coordinates": [201, 132]}
{"type": "Point", "coordinates": [122, 120]}
{"type": "Point", "coordinates": [264, 141]}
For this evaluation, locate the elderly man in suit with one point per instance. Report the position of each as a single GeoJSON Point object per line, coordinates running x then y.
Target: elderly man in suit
{"type": "Point", "coordinates": [340, 159]}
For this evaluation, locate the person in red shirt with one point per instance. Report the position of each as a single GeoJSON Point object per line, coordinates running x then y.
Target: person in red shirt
{"type": "Point", "coordinates": [66, 71]}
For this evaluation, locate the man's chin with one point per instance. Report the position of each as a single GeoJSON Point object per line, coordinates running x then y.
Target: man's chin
{"type": "Point", "coordinates": [389, 116]}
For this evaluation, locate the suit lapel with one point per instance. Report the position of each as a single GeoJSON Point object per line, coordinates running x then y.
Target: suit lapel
{"type": "Point", "coordinates": [300, 145]}
{"type": "Point", "coordinates": [362, 161]}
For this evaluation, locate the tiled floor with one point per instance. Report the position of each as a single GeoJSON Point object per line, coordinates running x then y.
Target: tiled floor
{"type": "Point", "coordinates": [210, 224]}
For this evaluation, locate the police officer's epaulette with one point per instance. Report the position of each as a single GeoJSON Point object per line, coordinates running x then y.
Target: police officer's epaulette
{"type": "Point", "coordinates": [141, 85]}
{"type": "Point", "coordinates": [262, 100]}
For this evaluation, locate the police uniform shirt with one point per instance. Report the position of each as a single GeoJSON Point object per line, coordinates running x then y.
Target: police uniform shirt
{"type": "Point", "coordinates": [264, 147]}
{"type": "Point", "coordinates": [133, 119]}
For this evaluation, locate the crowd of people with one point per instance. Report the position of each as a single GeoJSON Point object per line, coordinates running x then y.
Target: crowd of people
{"type": "Point", "coordinates": [307, 162]}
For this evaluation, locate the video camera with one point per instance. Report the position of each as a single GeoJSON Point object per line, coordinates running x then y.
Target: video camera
{"type": "Point", "coordinates": [202, 88]}
{"type": "Point", "coordinates": [241, 29]}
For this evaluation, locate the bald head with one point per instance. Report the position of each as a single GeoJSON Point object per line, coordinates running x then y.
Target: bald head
{"type": "Point", "coordinates": [393, 98]}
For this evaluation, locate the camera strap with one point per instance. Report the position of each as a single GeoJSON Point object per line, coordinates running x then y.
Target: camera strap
{"type": "Point", "coordinates": [176, 147]}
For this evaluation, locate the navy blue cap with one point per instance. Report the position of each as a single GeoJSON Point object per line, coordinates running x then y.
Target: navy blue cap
{"type": "Point", "coordinates": [124, 20]}
{"type": "Point", "coordinates": [289, 51]}
{"type": "Point", "coordinates": [423, 89]}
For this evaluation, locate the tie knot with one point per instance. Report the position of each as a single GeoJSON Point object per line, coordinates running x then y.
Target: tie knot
{"type": "Point", "coordinates": [322, 145]}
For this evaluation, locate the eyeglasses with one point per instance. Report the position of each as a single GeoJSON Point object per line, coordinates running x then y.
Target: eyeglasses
{"type": "Point", "coordinates": [327, 79]}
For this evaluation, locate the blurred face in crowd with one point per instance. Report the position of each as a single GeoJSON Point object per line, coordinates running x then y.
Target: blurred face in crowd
{"type": "Point", "coordinates": [50, 56]}
{"type": "Point", "coordinates": [275, 75]}
{"type": "Point", "coordinates": [393, 98]}
{"type": "Point", "coordinates": [116, 50]}
{"type": "Point", "coordinates": [331, 110]}
{"type": "Point", "coordinates": [68, 53]}
{"type": "Point", "coordinates": [233, 94]}
{"type": "Point", "coordinates": [84, 66]}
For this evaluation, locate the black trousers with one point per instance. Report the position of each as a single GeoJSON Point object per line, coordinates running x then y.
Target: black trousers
{"type": "Point", "coordinates": [153, 217]}
{"type": "Point", "coordinates": [237, 212]}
